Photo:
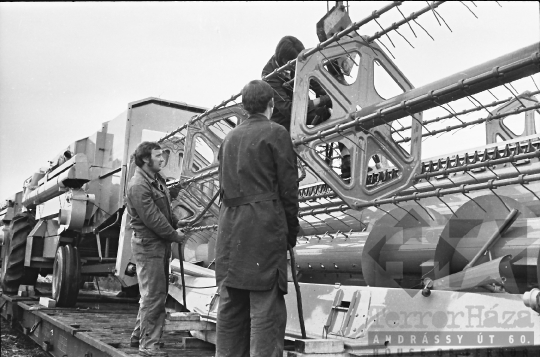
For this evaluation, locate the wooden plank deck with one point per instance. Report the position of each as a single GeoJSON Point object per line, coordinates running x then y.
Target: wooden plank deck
{"type": "Point", "coordinates": [100, 322]}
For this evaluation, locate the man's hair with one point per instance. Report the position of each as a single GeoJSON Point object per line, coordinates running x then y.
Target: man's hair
{"type": "Point", "coordinates": [256, 95]}
{"type": "Point", "coordinates": [144, 150]}
{"type": "Point", "coordinates": [288, 48]}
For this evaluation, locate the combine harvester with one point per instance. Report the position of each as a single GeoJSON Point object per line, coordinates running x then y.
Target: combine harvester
{"type": "Point", "coordinates": [398, 255]}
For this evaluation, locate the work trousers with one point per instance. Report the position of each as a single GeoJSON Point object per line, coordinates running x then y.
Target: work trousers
{"type": "Point", "coordinates": [152, 261]}
{"type": "Point", "coordinates": [251, 323]}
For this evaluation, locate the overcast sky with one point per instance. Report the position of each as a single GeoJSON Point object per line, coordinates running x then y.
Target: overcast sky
{"type": "Point", "coordinates": [67, 67]}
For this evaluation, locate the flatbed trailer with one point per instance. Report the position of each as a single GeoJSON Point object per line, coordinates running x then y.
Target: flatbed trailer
{"type": "Point", "coordinates": [98, 326]}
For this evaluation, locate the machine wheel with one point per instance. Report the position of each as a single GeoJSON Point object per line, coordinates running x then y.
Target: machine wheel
{"type": "Point", "coordinates": [15, 272]}
{"type": "Point", "coordinates": [66, 276]}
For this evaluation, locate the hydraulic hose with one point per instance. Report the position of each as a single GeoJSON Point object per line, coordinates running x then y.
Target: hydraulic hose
{"type": "Point", "coordinates": [298, 293]}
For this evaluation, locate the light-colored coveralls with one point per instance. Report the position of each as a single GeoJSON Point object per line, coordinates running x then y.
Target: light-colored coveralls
{"type": "Point", "coordinates": [149, 207]}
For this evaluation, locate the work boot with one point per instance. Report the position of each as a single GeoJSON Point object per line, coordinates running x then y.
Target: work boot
{"type": "Point", "coordinates": [134, 342]}
{"type": "Point", "coordinates": [147, 352]}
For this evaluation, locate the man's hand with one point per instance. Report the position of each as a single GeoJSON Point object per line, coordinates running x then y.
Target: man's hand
{"type": "Point", "coordinates": [182, 223]}
{"type": "Point", "coordinates": [180, 236]}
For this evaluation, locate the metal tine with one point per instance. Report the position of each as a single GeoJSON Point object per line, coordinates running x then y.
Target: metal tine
{"type": "Point", "coordinates": [534, 83]}
{"type": "Point", "coordinates": [474, 4]}
{"type": "Point", "coordinates": [418, 120]}
{"type": "Point", "coordinates": [433, 10]}
{"type": "Point", "coordinates": [365, 43]}
{"type": "Point", "coordinates": [408, 212]}
{"type": "Point", "coordinates": [479, 102]}
{"type": "Point", "coordinates": [469, 8]}
{"type": "Point", "coordinates": [493, 172]}
{"type": "Point", "coordinates": [379, 41]}
{"type": "Point", "coordinates": [337, 218]}
{"type": "Point", "coordinates": [425, 209]}
{"type": "Point", "coordinates": [472, 199]}
{"type": "Point", "coordinates": [340, 232]}
{"type": "Point", "coordinates": [385, 32]}
{"type": "Point", "coordinates": [403, 36]}
{"type": "Point", "coordinates": [528, 189]}
{"type": "Point", "coordinates": [446, 204]}
{"type": "Point", "coordinates": [353, 217]}
{"type": "Point", "coordinates": [448, 110]}
{"type": "Point", "coordinates": [373, 136]}
{"type": "Point", "coordinates": [348, 55]}
{"type": "Point", "coordinates": [442, 18]}
{"type": "Point", "coordinates": [395, 131]}
{"type": "Point", "coordinates": [517, 97]}
{"type": "Point", "coordinates": [388, 213]}
{"type": "Point", "coordinates": [507, 208]}
{"type": "Point", "coordinates": [498, 3]}
{"type": "Point", "coordinates": [494, 96]}
{"type": "Point", "coordinates": [332, 63]}
{"type": "Point", "coordinates": [475, 179]}
{"type": "Point", "coordinates": [355, 144]}
{"type": "Point", "coordinates": [323, 220]}
{"type": "Point", "coordinates": [305, 220]}
{"type": "Point", "coordinates": [399, 122]}
{"type": "Point", "coordinates": [412, 16]}
{"type": "Point", "coordinates": [422, 27]}
{"type": "Point", "coordinates": [404, 18]}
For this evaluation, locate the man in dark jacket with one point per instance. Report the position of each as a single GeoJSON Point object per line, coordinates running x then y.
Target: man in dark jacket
{"type": "Point", "coordinates": [258, 218]}
{"type": "Point", "coordinates": [149, 207]}
{"type": "Point", "coordinates": [289, 48]}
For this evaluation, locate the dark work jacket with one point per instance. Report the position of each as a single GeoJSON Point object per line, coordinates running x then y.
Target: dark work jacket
{"type": "Point", "coordinates": [283, 96]}
{"type": "Point", "coordinates": [149, 207]}
{"type": "Point", "coordinates": [259, 211]}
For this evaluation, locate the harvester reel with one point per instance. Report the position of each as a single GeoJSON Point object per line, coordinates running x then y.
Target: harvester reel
{"type": "Point", "coordinates": [15, 272]}
{"type": "Point", "coordinates": [470, 228]}
{"type": "Point", "coordinates": [66, 276]}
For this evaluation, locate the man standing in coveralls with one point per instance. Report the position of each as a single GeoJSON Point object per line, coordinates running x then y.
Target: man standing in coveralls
{"type": "Point", "coordinates": [149, 207]}
{"type": "Point", "coordinates": [258, 218]}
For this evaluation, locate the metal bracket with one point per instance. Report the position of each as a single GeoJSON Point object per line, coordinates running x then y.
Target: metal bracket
{"type": "Point", "coordinates": [28, 331]}
{"type": "Point", "coordinates": [334, 311]}
{"type": "Point", "coordinates": [35, 326]}
{"type": "Point", "coordinates": [355, 321]}
{"type": "Point", "coordinates": [497, 127]}
{"type": "Point", "coordinates": [361, 143]}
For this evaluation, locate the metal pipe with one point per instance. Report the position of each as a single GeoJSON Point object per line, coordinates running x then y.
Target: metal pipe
{"type": "Point", "coordinates": [492, 272]}
{"type": "Point", "coordinates": [511, 218]}
{"type": "Point", "coordinates": [466, 111]}
{"type": "Point", "coordinates": [491, 184]}
{"type": "Point", "coordinates": [474, 122]}
{"type": "Point", "coordinates": [98, 241]}
{"type": "Point", "coordinates": [505, 69]}
{"type": "Point", "coordinates": [183, 276]}
{"type": "Point", "coordinates": [109, 226]}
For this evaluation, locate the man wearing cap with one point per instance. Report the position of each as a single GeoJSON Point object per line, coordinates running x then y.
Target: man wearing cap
{"type": "Point", "coordinates": [257, 220]}
{"type": "Point", "coordinates": [288, 49]}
